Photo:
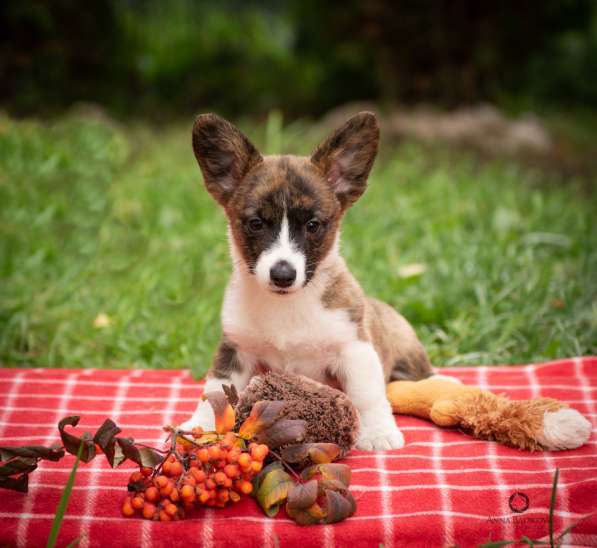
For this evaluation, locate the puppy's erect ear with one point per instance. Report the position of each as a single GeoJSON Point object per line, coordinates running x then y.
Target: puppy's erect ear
{"type": "Point", "coordinates": [224, 154]}
{"type": "Point", "coordinates": [346, 156]}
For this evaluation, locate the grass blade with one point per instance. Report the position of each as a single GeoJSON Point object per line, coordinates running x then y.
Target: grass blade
{"type": "Point", "coordinates": [64, 501]}
{"type": "Point", "coordinates": [552, 505]}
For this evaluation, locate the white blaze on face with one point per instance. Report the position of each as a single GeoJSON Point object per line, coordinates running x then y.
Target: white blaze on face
{"type": "Point", "coordinates": [283, 249]}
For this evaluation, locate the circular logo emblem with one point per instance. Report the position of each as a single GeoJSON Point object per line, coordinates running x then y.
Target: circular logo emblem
{"type": "Point", "coordinates": [518, 502]}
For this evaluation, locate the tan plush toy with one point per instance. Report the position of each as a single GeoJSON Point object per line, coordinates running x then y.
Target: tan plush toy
{"type": "Point", "coordinates": [539, 424]}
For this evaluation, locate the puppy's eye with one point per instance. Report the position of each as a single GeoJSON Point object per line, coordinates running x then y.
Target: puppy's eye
{"type": "Point", "coordinates": [255, 224]}
{"type": "Point", "coordinates": [313, 226]}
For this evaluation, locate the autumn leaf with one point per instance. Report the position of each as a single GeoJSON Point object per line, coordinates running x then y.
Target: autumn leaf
{"type": "Point", "coordinates": [308, 516]}
{"type": "Point", "coordinates": [338, 506]}
{"type": "Point", "coordinates": [318, 453]}
{"type": "Point", "coordinates": [282, 432]}
{"type": "Point", "coordinates": [231, 394]}
{"type": "Point", "coordinates": [105, 438]}
{"type": "Point", "coordinates": [20, 483]}
{"type": "Point", "coordinates": [331, 471]}
{"type": "Point", "coordinates": [263, 415]}
{"type": "Point", "coordinates": [273, 490]}
{"type": "Point", "coordinates": [303, 495]}
{"type": "Point", "coordinates": [223, 411]}
{"type": "Point", "coordinates": [18, 465]}
{"type": "Point", "coordinates": [143, 456]}
{"type": "Point", "coordinates": [72, 442]}
{"type": "Point", "coordinates": [54, 453]}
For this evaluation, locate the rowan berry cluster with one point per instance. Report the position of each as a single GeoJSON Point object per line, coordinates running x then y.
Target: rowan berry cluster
{"type": "Point", "coordinates": [211, 473]}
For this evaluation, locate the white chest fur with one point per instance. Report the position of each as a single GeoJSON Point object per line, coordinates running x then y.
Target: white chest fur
{"type": "Point", "coordinates": [294, 333]}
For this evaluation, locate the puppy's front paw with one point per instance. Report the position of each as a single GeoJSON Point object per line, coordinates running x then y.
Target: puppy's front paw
{"type": "Point", "coordinates": [380, 437]}
{"type": "Point", "coordinates": [203, 416]}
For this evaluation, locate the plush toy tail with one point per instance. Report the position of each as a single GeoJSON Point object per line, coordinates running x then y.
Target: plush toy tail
{"type": "Point", "coordinates": [543, 423]}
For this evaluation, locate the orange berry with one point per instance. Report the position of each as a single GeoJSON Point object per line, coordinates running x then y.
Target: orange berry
{"type": "Point", "coordinates": [252, 444]}
{"type": "Point", "coordinates": [259, 452]}
{"type": "Point", "coordinates": [165, 491]}
{"type": "Point", "coordinates": [231, 470]}
{"type": "Point", "coordinates": [232, 456]}
{"type": "Point", "coordinates": [148, 510]}
{"type": "Point", "coordinates": [161, 481]}
{"type": "Point", "coordinates": [151, 494]}
{"type": "Point", "coordinates": [244, 460]}
{"type": "Point", "coordinates": [256, 466]}
{"type": "Point", "coordinates": [176, 469]}
{"type": "Point", "coordinates": [166, 467]}
{"type": "Point", "coordinates": [234, 496]}
{"type": "Point", "coordinates": [223, 495]}
{"type": "Point", "coordinates": [203, 455]}
{"type": "Point", "coordinates": [214, 452]}
{"type": "Point", "coordinates": [204, 497]}
{"type": "Point", "coordinates": [228, 482]}
{"type": "Point", "coordinates": [198, 474]}
{"type": "Point", "coordinates": [220, 478]}
{"type": "Point", "coordinates": [127, 508]}
{"type": "Point", "coordinates": [146, 471]}
{"type": "Point", "coordinates": [187, 492]}
{"type": "Point", "coordinates": [171, 509]}
{"type": "Point", "coordinates": [246, 487]}
{"type": "Point", "coordinates": [137, 502]}
{"type": "Point", "coordinates": [229, 439]}
{"type": "Point", "coordinates": [174, 495]}
{"type": "Point", "coordinates": [190, 480]}
{"type": "Point", "coordinates": [210, 484]}
{"type": "Point", "coordinates": [135, 477]}
{"type": "Point", "coordinates": [164, 516]}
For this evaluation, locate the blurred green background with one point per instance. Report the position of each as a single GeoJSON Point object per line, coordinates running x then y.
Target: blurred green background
{"type": "Point", "coordinates": [479, 223]}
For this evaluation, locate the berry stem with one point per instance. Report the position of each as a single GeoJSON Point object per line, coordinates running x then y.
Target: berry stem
{"type": "Point", "coordinates": [286, 465]}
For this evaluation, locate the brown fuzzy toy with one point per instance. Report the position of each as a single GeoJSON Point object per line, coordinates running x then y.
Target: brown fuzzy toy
{"type": "Point", "coordinates": [542, 423]}
{"type": "Point", "coordinates": [330, 415]}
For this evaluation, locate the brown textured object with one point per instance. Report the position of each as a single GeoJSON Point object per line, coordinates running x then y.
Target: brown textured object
{"type": "Point", "coordinates": [330, 415]}
{"type": "Point", "coordinates": [539, 424]}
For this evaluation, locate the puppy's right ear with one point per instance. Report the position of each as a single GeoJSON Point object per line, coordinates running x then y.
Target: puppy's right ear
{"type": "Point", "coordinates": [224, 155]}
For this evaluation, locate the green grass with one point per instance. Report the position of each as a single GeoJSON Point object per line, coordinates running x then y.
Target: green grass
{"type": "Point", "coordinates": [97, 218]}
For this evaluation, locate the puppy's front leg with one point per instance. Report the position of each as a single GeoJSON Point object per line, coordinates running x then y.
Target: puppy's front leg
{"type": "Point", "coordinates": [360, 373]}
{"type": "Point", "coordinates": [229, 368]}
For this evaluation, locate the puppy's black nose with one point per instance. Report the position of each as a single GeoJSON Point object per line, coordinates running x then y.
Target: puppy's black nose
{"type": "Point", "coordinates": [282, 274]}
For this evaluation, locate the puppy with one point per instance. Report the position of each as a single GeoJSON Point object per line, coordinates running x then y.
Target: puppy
{"type": "Point", "coordinates": [291, 303]}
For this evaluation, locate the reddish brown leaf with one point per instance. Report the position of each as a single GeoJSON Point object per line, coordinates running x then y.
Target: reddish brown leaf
{"type": "Point", "coordinates": [231, 394]}
{"type": "Point", "coordinates": [318, 453]}
{"type": "Point", "coordinates": [223, 412]}
{"type": "Point", "coordinates": [331, 471]}
{"type": "Point", "coordinates": [282, 432]}
{"type": "Point", "coordinates": [263, 415]}
{"type": "Point", "coordinates": [18, 465]}
{"type": "Point", "coordinates": [20, 483]}
{"type": "Point", "coordinates": [273, 490]}
{"type": "Point", "coordinates": [143, 456]}
{"type": "Point", "coordinates": [303, 495]}
{"type": "Point", "coordinates": [105, 437]}
{"type": "Point", "coordinates": [309, 516]}
{"type": "Point", "coordinates": [72, 442]}
{"type": "Point", "coordinates": [54, 453]}
{"type": "Point", "coordinates": [337, 507]}
{"type": "Point", "coordinates": [322, 453]}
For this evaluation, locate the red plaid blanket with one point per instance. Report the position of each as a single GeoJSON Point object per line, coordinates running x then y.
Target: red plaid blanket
{"type": "Point", "coordinates": [442, 488]}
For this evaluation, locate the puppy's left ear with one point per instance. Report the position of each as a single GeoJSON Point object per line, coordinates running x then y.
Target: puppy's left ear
{"type": "Point", "coordinates": [346, 157]}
